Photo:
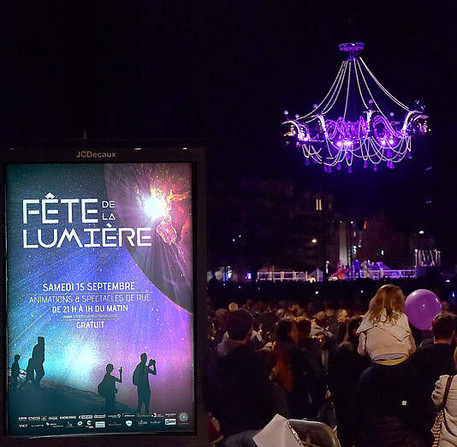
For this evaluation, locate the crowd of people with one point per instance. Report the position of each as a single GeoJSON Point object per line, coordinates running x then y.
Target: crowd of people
{"type": "Point", "coordinates": [368, 374]}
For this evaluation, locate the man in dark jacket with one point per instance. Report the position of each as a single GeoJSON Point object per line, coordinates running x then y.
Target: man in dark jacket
{"type": "Point", "coordinates": [434, 360]}
{"type": "Point", "coordinates": [236, 387]}
{"type": "Point", "coordinates": [386, 408]}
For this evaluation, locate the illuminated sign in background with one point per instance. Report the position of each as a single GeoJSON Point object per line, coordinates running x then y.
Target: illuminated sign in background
{"type": "Point", "coordinates": [99, 263]}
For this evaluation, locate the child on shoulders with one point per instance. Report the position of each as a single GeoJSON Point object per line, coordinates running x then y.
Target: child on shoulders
{"type": "Point", "coordinates": [384, 333]}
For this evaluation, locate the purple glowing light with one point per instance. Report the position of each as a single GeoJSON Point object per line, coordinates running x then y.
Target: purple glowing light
{"type": "Point", "coordinates": [370, 132]}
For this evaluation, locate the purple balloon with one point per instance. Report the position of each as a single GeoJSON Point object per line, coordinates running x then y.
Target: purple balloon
{"type": "Point", "coordinates": [421, 307]}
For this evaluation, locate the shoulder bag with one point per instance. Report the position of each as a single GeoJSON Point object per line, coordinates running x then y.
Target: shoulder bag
{"type": "Point", "coordinates": [441, 416]}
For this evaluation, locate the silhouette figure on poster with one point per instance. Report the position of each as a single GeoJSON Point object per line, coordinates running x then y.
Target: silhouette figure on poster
{"type": "Point", "coordinates": [15, 369]}
{"type": "Point", "coordinates": [107, 387]}
{"type": "Point", "coordinates": [38, 360]}
{"type": "Point", "coordinates": [141, 381]}
{"type": "Point", "coordinates": [29, 375]}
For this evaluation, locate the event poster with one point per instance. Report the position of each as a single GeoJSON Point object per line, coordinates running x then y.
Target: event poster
{"type": "Point", "coordinates": [100, 298]}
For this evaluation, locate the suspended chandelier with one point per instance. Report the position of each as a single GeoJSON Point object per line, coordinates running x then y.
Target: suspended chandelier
{"type": "Point", "coordinates": [357, 122]}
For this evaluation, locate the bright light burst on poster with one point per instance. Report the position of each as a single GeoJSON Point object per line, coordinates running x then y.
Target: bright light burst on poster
{"type": "Point", "coordinates": [155, 206]}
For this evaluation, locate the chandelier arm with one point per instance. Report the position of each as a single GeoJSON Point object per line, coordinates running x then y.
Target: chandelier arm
{"type": "Point", "coordinates": [358, 84]}
{"type": "Point", "coordinates": [347, 91]}
{"type": "Point", "coordinates": [328, 93]}
{"type": "Point", "coordinates": [387, 125]}
{"type": "Point", "coordinates": [388, 94]}
{"type": "Point", "coordinates": [334, 98]}
{"type": "Point", "coordinates": [331, 128]}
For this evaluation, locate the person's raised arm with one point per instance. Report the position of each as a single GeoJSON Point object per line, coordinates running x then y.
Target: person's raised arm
{"type": "Point", "coordinates": [152, 371]}
{"type": "Point", "coordinates": [120, 376]}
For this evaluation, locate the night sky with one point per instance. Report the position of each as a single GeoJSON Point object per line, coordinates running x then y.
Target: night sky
{"type": "Point", "coordinates": [223, 72]}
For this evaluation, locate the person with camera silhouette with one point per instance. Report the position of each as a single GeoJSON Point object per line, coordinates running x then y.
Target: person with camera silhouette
{"type": "Point", "coordinates": [141, 381]}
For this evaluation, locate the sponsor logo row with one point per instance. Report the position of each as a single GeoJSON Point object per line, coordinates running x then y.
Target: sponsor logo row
{"type": "Point", "coordinates": [102, 421]}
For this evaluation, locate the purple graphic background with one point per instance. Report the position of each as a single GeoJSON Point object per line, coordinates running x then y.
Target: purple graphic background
{"type": "Point", "coordinates": [151, 323]}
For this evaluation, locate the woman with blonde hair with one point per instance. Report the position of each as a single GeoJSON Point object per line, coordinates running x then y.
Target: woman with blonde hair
{"type": "Point", "coordinates": [385, 334]}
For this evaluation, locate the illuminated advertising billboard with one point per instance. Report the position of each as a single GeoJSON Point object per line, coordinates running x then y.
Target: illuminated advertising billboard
{"type": "Point", "coordinates": [100, 275]}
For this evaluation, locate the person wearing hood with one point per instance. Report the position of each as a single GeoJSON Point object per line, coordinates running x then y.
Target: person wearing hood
{"type": "Point", "coordinates": [236, 387]}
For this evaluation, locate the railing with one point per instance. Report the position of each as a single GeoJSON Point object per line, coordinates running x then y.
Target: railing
{"type": "Point", "coordinates": [392, 274]}
{"type": "Point", "coordinates": [304, 276]}
{"type": "Point", "coordinates": [282, 276]}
